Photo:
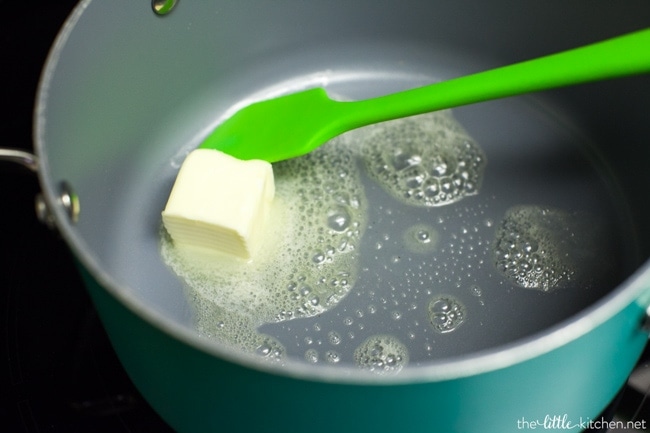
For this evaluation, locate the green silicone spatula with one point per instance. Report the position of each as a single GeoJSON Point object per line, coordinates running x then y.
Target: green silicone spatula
{"type": "Point", "coordinates": [295, 124]}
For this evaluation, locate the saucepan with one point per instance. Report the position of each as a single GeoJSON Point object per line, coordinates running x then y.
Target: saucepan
{"type": "Point", "coordinates": [480, 269]}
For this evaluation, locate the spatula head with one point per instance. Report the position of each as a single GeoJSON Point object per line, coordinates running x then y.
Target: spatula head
{"type": "Point", "coordinates": [277, 129]}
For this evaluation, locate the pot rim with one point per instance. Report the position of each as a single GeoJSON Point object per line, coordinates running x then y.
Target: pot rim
{"type": "Point", "coordinates": [631, 290]}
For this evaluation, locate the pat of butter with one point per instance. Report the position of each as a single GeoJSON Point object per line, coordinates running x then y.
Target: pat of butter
{"type": "Point", "coordinates": [220, 202]}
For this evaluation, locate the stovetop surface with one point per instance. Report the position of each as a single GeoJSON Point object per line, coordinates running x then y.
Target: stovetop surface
{"type": "Point", "coordinates": [58, 371]}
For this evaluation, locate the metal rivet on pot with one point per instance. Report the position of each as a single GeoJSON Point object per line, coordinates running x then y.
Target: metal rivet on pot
{"type": "Point", "coordinates": [70, 201]}
{"type": "Point", "coordinates": [43, 211]}
{"type": "Point", "coordinates": [67, 199]}
{"type": "Point", "coordinates": [163, 7]}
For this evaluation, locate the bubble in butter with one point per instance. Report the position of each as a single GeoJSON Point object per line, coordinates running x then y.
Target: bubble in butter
{"type": "Point", "coordinates": [423, 163]}
{"type": "Point", "coordinates": [308, 262]}
{"type": "Point", "coordinates": [381, 354]}
{"type": "Point", "coordinates": [544, 248]}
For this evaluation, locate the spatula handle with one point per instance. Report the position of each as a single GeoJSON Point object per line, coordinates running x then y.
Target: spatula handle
{"type": "Point", "coordinates": [617, 57]}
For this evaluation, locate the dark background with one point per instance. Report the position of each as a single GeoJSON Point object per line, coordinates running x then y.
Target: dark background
{"type": "Point", "coordinates": [58, 372]}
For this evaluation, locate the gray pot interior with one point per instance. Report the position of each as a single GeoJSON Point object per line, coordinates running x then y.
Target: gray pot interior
{"type": "Point", "coordinates": [127, 93]}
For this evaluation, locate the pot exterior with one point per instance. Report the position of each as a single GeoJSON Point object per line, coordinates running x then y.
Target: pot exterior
{"type": "Point", "coordinates": [562, 390]}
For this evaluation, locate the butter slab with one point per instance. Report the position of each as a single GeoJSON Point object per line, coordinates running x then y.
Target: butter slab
{"type": "Point", "coordinates": [220, 202]}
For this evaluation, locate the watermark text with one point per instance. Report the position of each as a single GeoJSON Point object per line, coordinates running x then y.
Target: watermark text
{"type": "Point", "coordinates": [563, 422]}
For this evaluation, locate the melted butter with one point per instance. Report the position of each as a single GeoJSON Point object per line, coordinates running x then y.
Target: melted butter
{"type": "Point", "coordinates": [427, 264]}
{"type": "Point", "coordinates": [308, 260]}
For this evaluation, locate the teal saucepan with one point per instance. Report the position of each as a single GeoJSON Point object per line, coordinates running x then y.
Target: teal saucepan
{"type": "Point", "coordinates": [479, 269]}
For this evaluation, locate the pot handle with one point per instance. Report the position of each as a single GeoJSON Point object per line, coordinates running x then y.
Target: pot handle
{"type": "Point", "coordinates": [67, 198]}
{"type": "Point", "coordinates": [29, 161]}
{"type": "Point", "coordinates": [24, 158]}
